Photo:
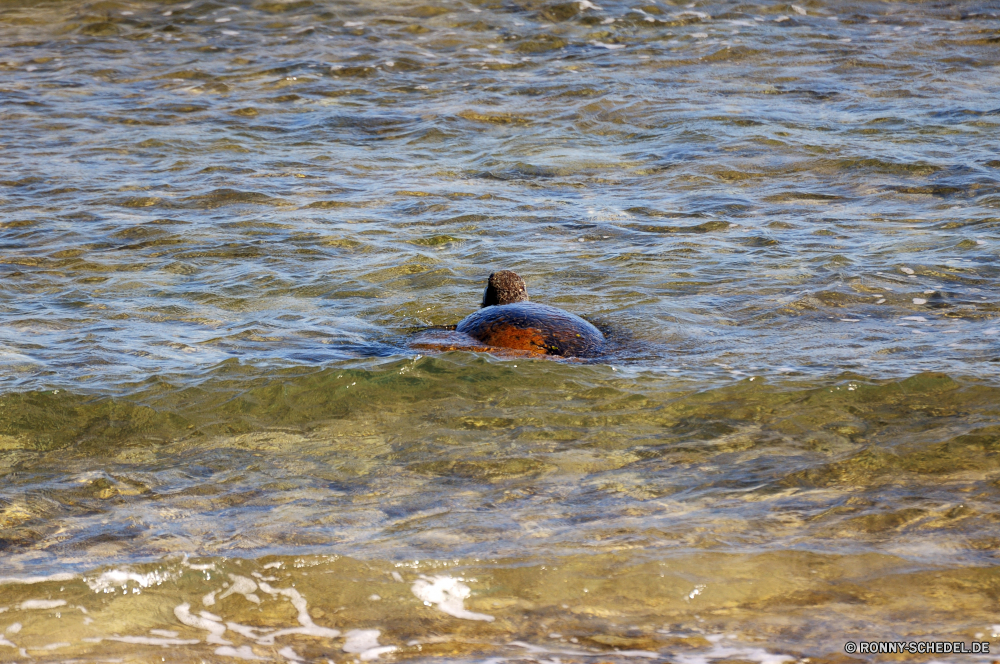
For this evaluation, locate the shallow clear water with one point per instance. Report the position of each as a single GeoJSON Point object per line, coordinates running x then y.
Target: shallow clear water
{"type": "Point", "coordinates": [222, 225]}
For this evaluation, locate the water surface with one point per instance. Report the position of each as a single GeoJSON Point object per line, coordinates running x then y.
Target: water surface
{"type": "Point", "coordinates": [220, 226]}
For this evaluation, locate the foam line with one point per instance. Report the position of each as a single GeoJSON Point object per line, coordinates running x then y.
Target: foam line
{"type": "Point", "coordinates": [115, 578]}
{"type": "Point", "coordinates": [62, 576]}
{"type": "Point", "coordinates": [448, 594]}
{"type": "Point", "coordinates": [364, 642]}
{"type": "Point", "coordinates": [246, 630]}
{"type": "Point", "coordinates": [41, 604]}
{"type": "Point", "coordinates": [215, 630]}
{"type": "Point", "coordinates": [151, 640]}
{"type": "Point", "coordinates": [309, 628]}
{"type": "Point", "coordinates": [288, 653]}
{"type": "Point", "coordinates": [243, 652]}
{"type": "Point", "coordinates": [242, 585]}
{"type": "Point", "coordinates": [532, 648]}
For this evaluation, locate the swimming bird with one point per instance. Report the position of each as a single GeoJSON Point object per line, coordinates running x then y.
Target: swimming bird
{"type": "Point", "coordinates": [508, 319]}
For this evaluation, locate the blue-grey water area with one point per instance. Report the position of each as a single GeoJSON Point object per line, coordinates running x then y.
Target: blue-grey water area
{"type": "Point", "coordinates": [223, 224]}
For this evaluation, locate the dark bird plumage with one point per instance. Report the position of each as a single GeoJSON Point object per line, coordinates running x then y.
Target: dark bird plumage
{"type": "Point", "coordinates": [508, 320]}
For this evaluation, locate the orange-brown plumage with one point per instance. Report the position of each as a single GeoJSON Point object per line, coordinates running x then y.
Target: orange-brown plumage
{"type": "Point", "coordinates": [507, 320]}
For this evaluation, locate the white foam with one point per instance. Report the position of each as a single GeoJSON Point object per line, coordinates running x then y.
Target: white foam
{"type": "Point", "coordinates": [798, 10]}
{"type": "Point", "coordinates": [152, 641]}
{"type": "Point", "coordinates": [289, 654]}
{"type": "Point", "coordinates": [309, 628]}
{"type": "Point", "coordinates": [115, 578]}
{"type": "Point", "coordinates": [919, 300]}
{"type": "Point", "coordinates": [242, 585]}
{"type": "Point", "coordinates": [247, 631]}
{"type": "Point", "coordinates": [169, 633]}
{"type": "Point", "coordinates": [62, 576]}
{"type": "Point", "coordinates": [532, 648]}
{"type": "Point", "coordinates": [53, 646]}
{"type": "Point", "coordinates": [215, 630]}
{"type": "Point", "coordinates": [364, 642]}
{"type": "Point", "coordinates": [245, 586]}
{"type": "Point", "coordinates": [917, 318]}
{"type": "Point", "coordinates": [906, 270]}
{"type": "Point", "coordinates": [610, 47]}
{"type": "Point", "coordinates": [41, 604]}
{"type": "Point", "coordinates": [586, 4]}
{"type": "Point", "coordinates": [448, 594]}
{"type": "Point", "coordinates": [243, 652]}
{"type": "Point", "coordinates": [731, 653]}
{"type": "Point", "coordinates": [11, 629]}
{"type": "Point", "coordinates": [353, 24]}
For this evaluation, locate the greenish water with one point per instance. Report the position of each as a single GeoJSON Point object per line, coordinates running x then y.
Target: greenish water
{"type": "Point", "coordinates": [221, 227]}
{"type": "Point", "coordinates": [780, 518]}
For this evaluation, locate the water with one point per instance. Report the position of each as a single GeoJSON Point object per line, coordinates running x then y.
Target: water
{"type": "Point", "coordinates": [221, 226]}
